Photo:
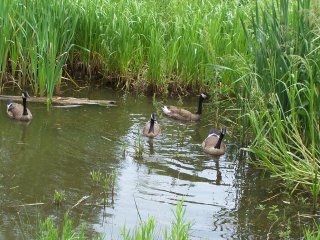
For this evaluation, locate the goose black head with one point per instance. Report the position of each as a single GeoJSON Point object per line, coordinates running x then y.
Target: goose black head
{"type": "Point", "coordinates": [25, 94]}
{"type": "Point", "coordinates": [154, 116]}
{"type": "Point", "coordinates": [223, 131]}
{"type": "Point", "coordinates": [204, 95]}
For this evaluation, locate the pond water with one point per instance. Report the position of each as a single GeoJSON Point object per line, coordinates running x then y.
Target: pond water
{"type": "Point", "coordinates": [60, 147]}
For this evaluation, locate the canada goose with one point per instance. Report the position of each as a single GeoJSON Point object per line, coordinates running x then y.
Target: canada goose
{"type": "Point", "coordinates": [182, 114]}
{"type": "Point", "coordinates": [213, 143]}
{"type": "Point", "coordinates": [19, 111]}
{"type": "Point", "coordinates": [152, 127]}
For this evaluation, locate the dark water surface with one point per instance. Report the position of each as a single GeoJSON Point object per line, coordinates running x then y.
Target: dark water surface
{"type": "Point", "coordinates": [60, 147]}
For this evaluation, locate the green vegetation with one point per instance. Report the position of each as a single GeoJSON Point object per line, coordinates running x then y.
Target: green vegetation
{"type": "Point", "coordinates": [312, 233]}
{"type": "Point", "coordinates": [104, 183]}
{"type": "Point", "coordinates": [179, 229]}
{"type": "Point", "coordinates": [263, 56]}
{"type": "Point", "coordinates": [49, 231]}
{"type": "Point", "coordinates": [138, 148]}
{"type": "Point", "coordinates": [58, 197]}
{"type": "Point", "coordinates": [151, 46]}
{"type": "Point", "coordinates": [284, 111]}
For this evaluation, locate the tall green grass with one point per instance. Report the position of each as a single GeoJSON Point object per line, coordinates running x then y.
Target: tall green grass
{"type": "Point", "coordinates": [172, 46]}
{"type": "Point", "coordinates": [5, 39]}
{"type": "Point", "coordinates": [284, 112]}
{"type": "Point", "coordinates": [41, 35]}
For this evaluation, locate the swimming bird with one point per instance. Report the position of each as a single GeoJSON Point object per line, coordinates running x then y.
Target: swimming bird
{"type": "Point", "coordinates": [213, 143]}
{"type": "Point", "coordinates": [182, 114]}
{"type": "Point", "coordinates": [152, 127]}
{"type": "Point", "coordinates": [19, 111]}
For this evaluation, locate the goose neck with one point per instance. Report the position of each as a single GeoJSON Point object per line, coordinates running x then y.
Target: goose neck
{"type": "Point", "coordinates": [200, 105]}
{"type": "Point", "coordinates": [218, 145]}
{"type": "Point", "coordinates": [24, 104]}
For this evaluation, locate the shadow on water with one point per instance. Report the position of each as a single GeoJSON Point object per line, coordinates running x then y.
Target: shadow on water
{"type": "Point", "coordinates": [59, 149]}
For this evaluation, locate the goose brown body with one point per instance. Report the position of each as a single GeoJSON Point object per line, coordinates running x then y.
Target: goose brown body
{"type": "Point", "coordinates": [213, 144]}
{"type": "Point", "coordinates": [19, 111]}
{"type": "Point", "coordinates": [152, 127]}
{"type": "Point", "coordinates": [183, 114]}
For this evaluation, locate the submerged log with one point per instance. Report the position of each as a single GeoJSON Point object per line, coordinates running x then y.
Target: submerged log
{"type": "Point", "coordinates": [64, 101]}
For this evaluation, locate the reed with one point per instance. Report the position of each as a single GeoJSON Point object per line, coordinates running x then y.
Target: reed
{"type": "Point", "coordinates": [134, 44]}
{"type": "Point", "coordinates": [284, 113]}
{"type": "Point", "coordinates": [6, 33]}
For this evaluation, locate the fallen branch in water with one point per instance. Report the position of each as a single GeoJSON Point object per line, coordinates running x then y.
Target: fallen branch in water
{"type": "Point", "coordinates": [28, 205]}
{"type": "Point", "coordinates": [66, 101]}
{"type": "Point", "coordinates": [80, 201]}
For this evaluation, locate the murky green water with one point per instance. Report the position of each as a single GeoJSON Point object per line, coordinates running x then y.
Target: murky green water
{"type": "Point", "coordinates": [59, 148]}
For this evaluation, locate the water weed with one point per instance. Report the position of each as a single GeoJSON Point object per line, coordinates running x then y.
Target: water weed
{"type": "Point", "coordinates": [179, 228]}
{"type": "Point", "coordinates": [96, 176]}
{"type": "Point", "coordinates": [50, 231]}
{"type": "Point", "coordinates": [138, 148]}
{"type": "Point", "coordinates": [58, 197]}
{"type": "Point", "coordinates": [105, 184]}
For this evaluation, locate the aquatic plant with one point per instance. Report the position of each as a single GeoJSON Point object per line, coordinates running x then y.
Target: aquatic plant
{"type": "Point", "coordinates": [49, 231]}
{"type": "Point", "coordinates": [179, 229]}
{"type": "Point", "coordinates": [106, 183]}
{"type": "Point", "coordinates": [58, 197]}
{"type": "Point", "coordinates": [96, 176]}
{"type": "Point", "coordinates": [138, 147]}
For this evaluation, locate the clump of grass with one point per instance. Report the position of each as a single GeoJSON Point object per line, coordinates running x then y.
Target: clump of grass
{"type": "Point", "coordinates": [179, 229]}
{"type": "Point", "coordinates": [124, 147]}
{"type": "Point", "coordinates": [282, 148]}
{"type": "Point", "coordinates": [105, 183]}
{"type": "Point", "coordinates": [96, 176]}
{"type": "Point", "coordinates": [58, 197]}
{"type": "Point", "coordinates": [312, 233]}
{"type": "Point", "coordinates": [144, 231]}
{"type": "Point", "coordinates": [138, 148]}
{"type": "Point", "coordinates": [49, 230]}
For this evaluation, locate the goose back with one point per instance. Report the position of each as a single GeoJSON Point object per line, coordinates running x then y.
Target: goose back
{"type": "Point", "coordinates": [152, 127]}
{"type": "Point", "coordinates": [213, 144]}
{"type": "Point", "coordinates": [16, 112]}
{"type": "Point", "coordinates": [19, 111]}
{"type": "Point", "coordinates": [183, 114]}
